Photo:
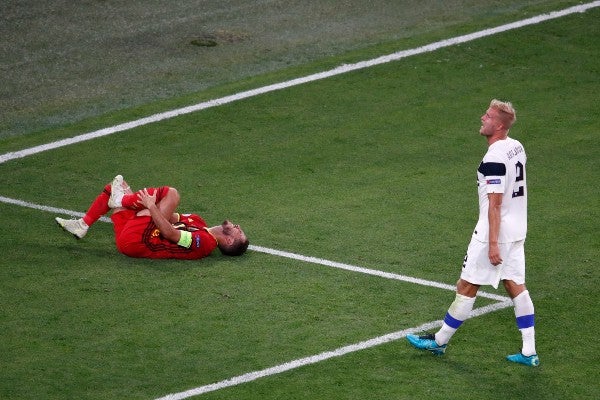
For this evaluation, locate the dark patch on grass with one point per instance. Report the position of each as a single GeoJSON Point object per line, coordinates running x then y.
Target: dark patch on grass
{"type": "Point", "coordinates": [220, 36]}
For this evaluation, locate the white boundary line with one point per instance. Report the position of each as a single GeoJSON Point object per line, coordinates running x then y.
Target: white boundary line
{"type": "Point", "coordinates": [294, 82]}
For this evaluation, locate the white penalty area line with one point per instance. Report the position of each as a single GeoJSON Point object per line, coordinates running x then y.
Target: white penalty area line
{"type": "Point", "coordinates": [301, 362]}
{"type": "Point", "coordinates": [342, 69]}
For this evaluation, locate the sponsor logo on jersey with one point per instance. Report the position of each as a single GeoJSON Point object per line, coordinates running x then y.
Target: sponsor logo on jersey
{"type": "Point", "coordinates": [198, 241]}
{"type": "Point", "coordinates": [493, 181]}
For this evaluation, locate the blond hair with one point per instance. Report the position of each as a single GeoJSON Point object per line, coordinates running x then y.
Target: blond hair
{"type": "Point", "coordinates": [508, 115]}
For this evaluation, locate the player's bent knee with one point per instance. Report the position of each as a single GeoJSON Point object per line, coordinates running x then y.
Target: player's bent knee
{"type": "Point", "coordinates": [173, 195]}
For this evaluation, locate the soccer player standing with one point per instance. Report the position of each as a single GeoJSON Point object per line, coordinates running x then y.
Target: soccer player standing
{"type": "Point", "coordinates": [496, 251]}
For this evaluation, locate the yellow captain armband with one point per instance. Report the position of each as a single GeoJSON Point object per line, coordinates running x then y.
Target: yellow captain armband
{"type": "Point", "coordinates": [185, 240]}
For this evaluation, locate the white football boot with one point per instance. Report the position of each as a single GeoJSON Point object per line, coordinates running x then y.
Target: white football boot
{"type": "Point", "coordinates": [76, 227]}
{"type": "Point", "coordinates": [116, 192]}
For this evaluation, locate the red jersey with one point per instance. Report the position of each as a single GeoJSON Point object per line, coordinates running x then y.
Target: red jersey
{"type": "Point", "coordinates": [138, 236]}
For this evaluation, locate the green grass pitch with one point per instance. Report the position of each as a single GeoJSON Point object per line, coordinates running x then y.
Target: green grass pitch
{"type": "Point", "coordinates": [374, 168]}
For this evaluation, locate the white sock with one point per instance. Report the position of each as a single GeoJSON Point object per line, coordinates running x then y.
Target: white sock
{"type": "Point", "coordinates": [457, 313]}
{"type": "Point", "coordinates": [524, 314]}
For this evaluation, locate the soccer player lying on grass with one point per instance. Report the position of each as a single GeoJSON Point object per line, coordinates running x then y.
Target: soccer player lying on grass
{"type": "Point", "coordinates": [146, 225]}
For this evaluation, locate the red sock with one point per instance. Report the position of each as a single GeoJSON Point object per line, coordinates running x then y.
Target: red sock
{"type": "Point", "coordinates": [98, 208]}
{"type": "Point", "coordinates": [131, 201]}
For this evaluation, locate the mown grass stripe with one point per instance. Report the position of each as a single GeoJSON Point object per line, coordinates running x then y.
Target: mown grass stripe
{"type": "Point", "coordinates": [342, 69]}
{"type": "Point", "coordinates": [301, 362]}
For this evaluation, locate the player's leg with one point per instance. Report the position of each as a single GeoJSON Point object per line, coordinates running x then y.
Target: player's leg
{"type": "Point", "coordinates": [167, 198]}
{"type": "Point", "coordinates": [129, 230]}
{"type": "Point", "coordinates": [99, 207]}
{"type": "Point", "coordinates": [513, 278]}
{"type": "Point", "coordinates": [457, 313]}
{"type": "Point", "coordinates": [459, 310]}
{"type": "Point", "coordinates": [525, 317]}
{"type": "Point", "coordinates": [477, 270]}
{"type": "Point", "coordinates": [167, 201]}
{"type": "Point", "coordinates": [524, 314]}
{"type": "Point", "coordinates": [121, 195]}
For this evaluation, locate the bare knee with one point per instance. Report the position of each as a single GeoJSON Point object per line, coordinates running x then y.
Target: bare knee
{"type": "Point", "coordinates": [466, 288]}
{"type": "Point", "coordinates": [169, 202]}
{"type": "Point", "coordinates": [173, 195]}
{"type": "Point", "coordinates": [513, 289]}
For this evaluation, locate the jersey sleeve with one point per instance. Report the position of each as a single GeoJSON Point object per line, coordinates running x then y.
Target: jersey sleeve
{"type": "Point", "coordinates": [493, 172]}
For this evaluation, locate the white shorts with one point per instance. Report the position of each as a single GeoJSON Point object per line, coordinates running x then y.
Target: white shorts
{"type": "Point", "coordinates": [478, 270]}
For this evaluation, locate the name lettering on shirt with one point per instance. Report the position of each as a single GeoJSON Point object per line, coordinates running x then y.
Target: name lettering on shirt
{"type": "Point", "coordinates": [514, 151]}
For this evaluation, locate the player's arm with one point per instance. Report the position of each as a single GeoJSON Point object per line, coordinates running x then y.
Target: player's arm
{"type": "Point", "coordinates": [494, 215]}
{"type": "Point", "coordinates": [174, 218]}
{"type": "Point", "coordinates": [164, 226]}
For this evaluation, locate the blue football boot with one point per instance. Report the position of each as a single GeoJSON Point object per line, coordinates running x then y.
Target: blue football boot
{"type": "Point", "coordinates": [426, 342]}
{"type": "Point", "coordinates": [531, 361]}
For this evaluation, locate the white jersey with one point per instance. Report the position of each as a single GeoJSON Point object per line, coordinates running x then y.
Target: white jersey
{"type": "Point", "coordinates": [503, 171]}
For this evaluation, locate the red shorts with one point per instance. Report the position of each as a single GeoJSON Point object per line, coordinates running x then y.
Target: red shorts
{"type": "Point", "coordinates": [129, 232]}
